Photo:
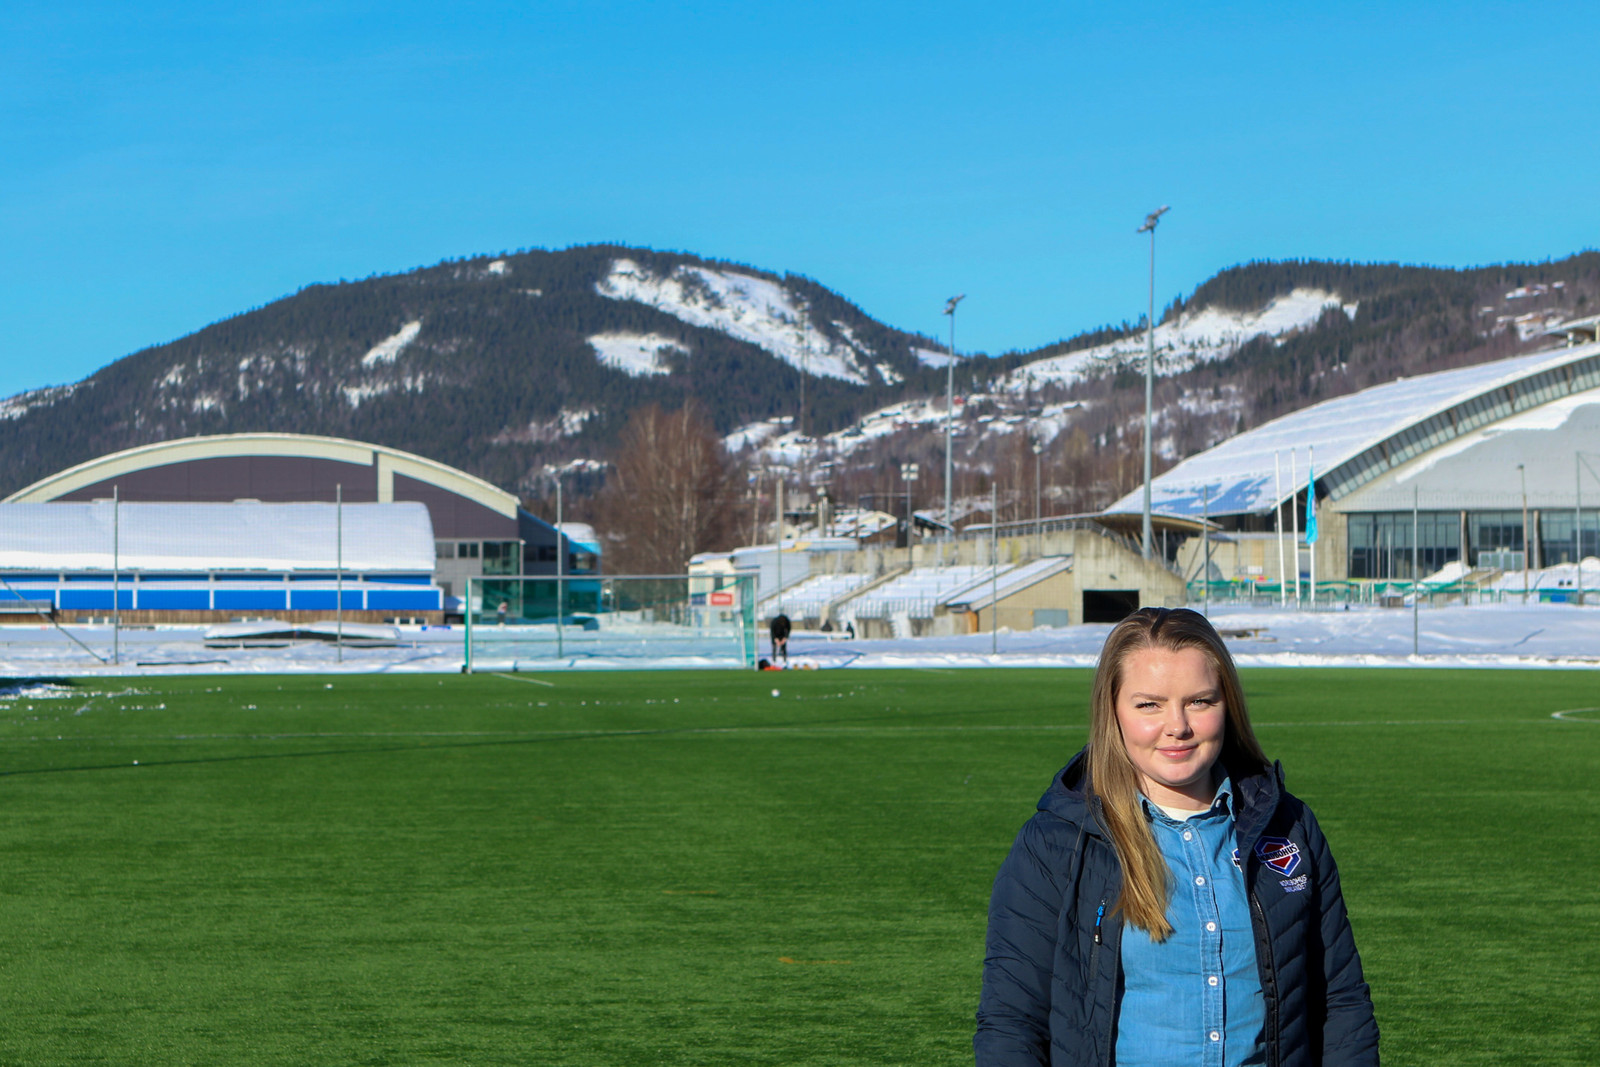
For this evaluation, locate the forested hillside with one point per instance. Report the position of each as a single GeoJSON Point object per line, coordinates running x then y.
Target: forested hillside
{"type": "Point", "coordinates": [484, 363]}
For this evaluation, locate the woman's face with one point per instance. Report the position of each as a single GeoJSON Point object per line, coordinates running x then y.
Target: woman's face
{"type": "Point", "coordinates": [1170, 709]}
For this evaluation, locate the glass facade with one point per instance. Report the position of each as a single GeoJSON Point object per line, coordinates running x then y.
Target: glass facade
{"type": "Point", "coordinates": [1380, 542]}
{"type": "Point", "coordinates": [1555, 536]}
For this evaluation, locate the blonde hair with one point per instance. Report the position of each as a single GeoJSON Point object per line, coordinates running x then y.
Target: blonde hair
{"type": "Point", "coordinates": [1112, 776]}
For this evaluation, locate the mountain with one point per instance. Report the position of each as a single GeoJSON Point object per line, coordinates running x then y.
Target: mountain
{"type": "Point", "coordinates": [495, 364]}
{"type": "Point", "coordinates": [506, 365]}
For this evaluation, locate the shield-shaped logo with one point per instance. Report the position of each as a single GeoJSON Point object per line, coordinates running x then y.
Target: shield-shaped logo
{"type": "Point", "coordinates": [1279, 853]}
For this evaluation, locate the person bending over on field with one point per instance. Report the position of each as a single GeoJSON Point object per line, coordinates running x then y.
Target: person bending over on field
{"type": "Point", "coordinates": [780, 638]}
{"type": "Point", "coordinates": [1170, 902]}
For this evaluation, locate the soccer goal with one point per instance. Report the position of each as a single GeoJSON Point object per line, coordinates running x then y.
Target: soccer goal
{"type": "Point", "coordinates": [595, 623]}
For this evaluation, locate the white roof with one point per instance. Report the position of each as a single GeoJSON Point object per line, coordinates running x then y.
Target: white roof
{"type": "Point", "coordinates": [243, 535]}
{"type": "Point", "coordinates": [1236, 476]}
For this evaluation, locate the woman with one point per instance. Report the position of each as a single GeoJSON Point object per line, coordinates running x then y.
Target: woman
{"type": "Point", "coordinates": [1170, 903]}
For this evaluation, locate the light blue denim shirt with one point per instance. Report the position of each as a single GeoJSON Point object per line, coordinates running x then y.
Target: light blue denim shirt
{"type": "Point", "coordinates": [1195, 998]}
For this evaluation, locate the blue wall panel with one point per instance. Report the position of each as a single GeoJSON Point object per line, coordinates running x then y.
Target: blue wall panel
{"type": "Point", "coordinates": [250, 599]}
{"type": "Point", "coordinates": [152, 599]}
{"type": "Point", "coordinates": [404, 600]}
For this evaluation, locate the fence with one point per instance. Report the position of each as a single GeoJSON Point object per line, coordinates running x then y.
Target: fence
{"type": "Point", "coordinates": [622, 622]}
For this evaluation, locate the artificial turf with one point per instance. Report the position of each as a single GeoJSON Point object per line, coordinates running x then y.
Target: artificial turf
{"type": "Point", "coordinates": [683, 868]}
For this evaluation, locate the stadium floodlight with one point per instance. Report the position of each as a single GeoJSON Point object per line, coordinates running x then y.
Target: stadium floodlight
{"type": "Point", "coordinates": [908, 474]}
{"type": "Point", "coordinates": [950, 410]}
{"type": "Point", "coordinates": [1149, 227]}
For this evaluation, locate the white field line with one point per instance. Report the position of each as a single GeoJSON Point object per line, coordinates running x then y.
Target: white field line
{"type": "Point", "coordinates": [1567, 715]}
{"type": "Point", "coordinates": [519, 678]}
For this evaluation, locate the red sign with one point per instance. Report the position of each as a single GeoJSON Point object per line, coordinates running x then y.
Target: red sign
{"type": "Point", "coordinates": [722, 600]}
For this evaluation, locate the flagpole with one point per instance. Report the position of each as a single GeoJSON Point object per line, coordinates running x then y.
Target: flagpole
{"type": "Point", "coordinates": [1277, 495]}
{"type": "Point", "coordinates": [1294, 515]}
{"type": "Point", "coordinates": [1311, 518]}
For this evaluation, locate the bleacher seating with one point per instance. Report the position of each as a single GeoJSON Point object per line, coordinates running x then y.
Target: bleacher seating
{"type": "Point", "coordinates": [915, 593]}
{"type": "Point", "coordinates": [810, 598]}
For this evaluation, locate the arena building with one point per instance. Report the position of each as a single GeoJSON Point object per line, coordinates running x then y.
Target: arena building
{"type": "Point", "coordinates": [209, 562]}
{"type": "Point", "coordinates": [1494, 466]}
{"type": "Point", "coordinates": [478, 529]}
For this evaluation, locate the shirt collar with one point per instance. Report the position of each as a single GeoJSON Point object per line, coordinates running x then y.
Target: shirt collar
{"type": "Point", "coordinates": [1221, 802]}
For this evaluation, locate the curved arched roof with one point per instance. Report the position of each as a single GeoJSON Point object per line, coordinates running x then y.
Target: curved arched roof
{"type": "Point", "coordinates": [389, 462]}
{"type": "Point", "coordinates": [1360, 436]}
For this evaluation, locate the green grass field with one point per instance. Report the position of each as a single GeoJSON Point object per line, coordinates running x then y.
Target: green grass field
{"type": "Point", "coordinates": [681, 868]}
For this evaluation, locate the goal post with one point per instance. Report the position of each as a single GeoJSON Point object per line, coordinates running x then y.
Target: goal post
{"type": "Point", "coordinates": [596, 623]}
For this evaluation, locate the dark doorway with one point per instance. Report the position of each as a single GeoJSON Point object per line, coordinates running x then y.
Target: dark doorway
{"type": "Point", "coordinates": [1109, 605]}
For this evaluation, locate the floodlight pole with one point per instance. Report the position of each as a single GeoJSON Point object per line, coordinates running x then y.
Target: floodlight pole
{"type": "Point", "coordinates": [950, 412]}
{"type": "Point", "coordinates": [908, 474]}
{"type": "Point", "coordinates": [994, 570]}
{"type": "Point", "coordinates": [116, 569]}
{"type": "Point", "coordinates": [561, 599]}
{"type": "Point", "coordinates": [1149, 226]}
{"type": "Point", "coordinates": [1523, 473]}
{"type": "Point", "coordinates": [338, 573]}
{"type": "Point", "coordinates": [1038, 503]}
{"type": "Point", "coordinates": [1415, 558]}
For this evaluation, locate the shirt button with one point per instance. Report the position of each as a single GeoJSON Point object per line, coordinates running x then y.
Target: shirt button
{"type": "Point", "coordinates": [1188, 835]}
{"type": "Point", "coordinates": [1211, 928]}
{"type": "Point", "coordinates": [1199, 881]}
{"type": "Point", "coordinates": [1215, 1036]}
{"type": "Point", "coordinates": [1212, 980]}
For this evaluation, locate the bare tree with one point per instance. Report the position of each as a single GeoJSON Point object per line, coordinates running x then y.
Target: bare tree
{"type": "Point", "coordinates": [671, 494]}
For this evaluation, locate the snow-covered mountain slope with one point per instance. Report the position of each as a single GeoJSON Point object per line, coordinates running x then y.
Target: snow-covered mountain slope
{"type": "Point", "coordinates": [637, 355]}
{"type": "Point", "coordinates": [745, 307]}
{"type": "Point", "coordinates": [1208, 335]}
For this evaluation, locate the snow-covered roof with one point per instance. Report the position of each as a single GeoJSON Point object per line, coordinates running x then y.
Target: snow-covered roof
{"type": "Point", "coordinates": [1361, 435]}
{"type": "Point", "coordinates": [239, 536]}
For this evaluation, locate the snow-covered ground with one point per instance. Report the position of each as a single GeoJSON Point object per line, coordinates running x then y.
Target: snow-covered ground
{"type": "Point", "coordinates": [1208, 335]}
{"type": "Point", "coordinates": [1505, 635]}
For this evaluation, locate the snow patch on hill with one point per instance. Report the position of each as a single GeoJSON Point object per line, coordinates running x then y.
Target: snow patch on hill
{"type": "Point", "coordinates": [1204, 337]}
{"type": "Point", "coordinates": [750, 309]}
{"type": "Point", "coordinates": [386, 350]}
{"type": "Point", "coordinates": [637, 355]}
{"type": "Point", "coordinates": [17, 406]}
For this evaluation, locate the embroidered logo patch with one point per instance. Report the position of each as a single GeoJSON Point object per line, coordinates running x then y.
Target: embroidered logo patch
{"type": "Point", "coordinates": [1279, 853]}
{"type": "Point", "coordinates": [1294, 885]}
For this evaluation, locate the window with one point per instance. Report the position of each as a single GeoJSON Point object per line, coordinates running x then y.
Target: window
{"type": "Point", "coordinates": [466, 550]}
{"type": "Point", "coordinates": [502, 557]}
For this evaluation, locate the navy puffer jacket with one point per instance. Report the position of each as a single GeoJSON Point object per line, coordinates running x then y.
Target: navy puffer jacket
{"type": "Point", "coordinates": [1051, 978]}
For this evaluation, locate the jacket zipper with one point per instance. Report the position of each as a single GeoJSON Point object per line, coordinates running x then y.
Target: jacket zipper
{"type": "Point", "coordinates": [1270, 986]}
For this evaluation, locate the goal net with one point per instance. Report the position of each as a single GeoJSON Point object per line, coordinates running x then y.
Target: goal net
{"type": "Point", "coordinates": [594, 623]}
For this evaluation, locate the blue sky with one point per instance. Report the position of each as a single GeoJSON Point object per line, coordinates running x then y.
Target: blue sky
{"type": "Point", "coordinates": [165, 166]}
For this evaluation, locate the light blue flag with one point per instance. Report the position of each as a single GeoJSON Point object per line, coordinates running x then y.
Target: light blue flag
{"type": "Point", "coordinates": [1311, 506]}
